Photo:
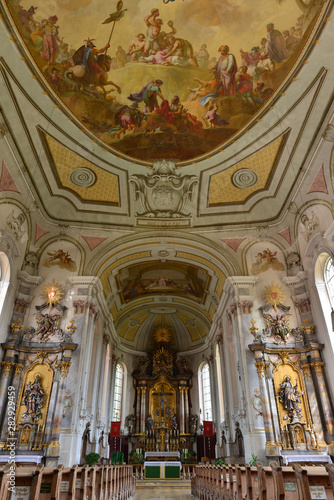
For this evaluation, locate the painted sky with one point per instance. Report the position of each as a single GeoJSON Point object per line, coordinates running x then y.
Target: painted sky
{"type": "Point", "coordinates": [236, 23]}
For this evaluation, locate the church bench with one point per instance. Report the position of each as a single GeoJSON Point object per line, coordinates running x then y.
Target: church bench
{"type": "Point", "coordinates": [72, 483]}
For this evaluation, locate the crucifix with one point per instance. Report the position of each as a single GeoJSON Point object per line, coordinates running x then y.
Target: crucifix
{"type": "Point", "coordinates": [163, 401]}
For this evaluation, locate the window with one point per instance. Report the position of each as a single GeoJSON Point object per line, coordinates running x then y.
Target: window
{"type": "Point", "coordinates": [4, 278]}
{"type": "Point", "coordinates": [118, 392]}
{"type": "Point", "coordinates": [329, 280]}
{"type": "Point", "coordinates": [205, 392]}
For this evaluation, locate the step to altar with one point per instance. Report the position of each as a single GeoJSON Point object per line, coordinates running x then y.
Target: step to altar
{"type": "Point", "coordinates": [163, 483]}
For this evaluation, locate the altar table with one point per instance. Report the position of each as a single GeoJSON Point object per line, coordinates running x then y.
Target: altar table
{"type": "Point", "coordinates": [162, 470]}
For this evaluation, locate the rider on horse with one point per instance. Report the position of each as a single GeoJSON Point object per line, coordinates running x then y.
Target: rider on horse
{"type": "Point", "coordinates": [87, 57]}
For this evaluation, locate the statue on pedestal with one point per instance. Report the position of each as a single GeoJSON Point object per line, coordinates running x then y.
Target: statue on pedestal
{"type": "Point", "coordinates": [33, 399]}
{"type": "Point", "coordinates": [289, 396]}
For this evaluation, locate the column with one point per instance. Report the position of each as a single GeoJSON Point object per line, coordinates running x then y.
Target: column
{"type": "Point", "coordinates": [138, 411]}
{"type": "Point", "coordinates": [314, 408]}
{"type": "Point", "coordinates": [267, 420]}
{"type": "Point", "coordinates": [323, 394]}
{"type": "Point", "coordinates": [143, 407]}
{"type": "Point", "coordinates": [186, 409]}
{"type": "Point", "coordinates": [181, 389]}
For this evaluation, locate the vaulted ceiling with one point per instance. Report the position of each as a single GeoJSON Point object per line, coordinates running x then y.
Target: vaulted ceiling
{"type": "Point", "coordinates": [147, 229]}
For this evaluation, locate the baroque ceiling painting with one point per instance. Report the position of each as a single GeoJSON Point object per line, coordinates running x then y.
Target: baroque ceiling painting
{"type": "Point", "coordinates": [159, 278]}
{"type": "Point", "coordinates": [182, 78]}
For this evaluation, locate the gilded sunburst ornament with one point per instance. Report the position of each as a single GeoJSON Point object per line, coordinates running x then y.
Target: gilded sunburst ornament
{"type": "Point", "coordinates": [52, 294]}
{"type": "Point", "coordinates": [162, 334]}
{"type": "Point", "coordinates": [274, 295]}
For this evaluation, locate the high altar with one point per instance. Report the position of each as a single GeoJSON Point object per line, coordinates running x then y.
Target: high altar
{"type": "Point", "coordinates": [162, 408]}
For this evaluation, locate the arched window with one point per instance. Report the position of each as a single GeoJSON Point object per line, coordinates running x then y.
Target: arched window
{"type": "Point", "coordinates": [205, 391]}
{"type": "Point", "coordinates": [4, 278]}
{"type": "Point", "coordinates": [324, 281]}
{"type": "Point", "coordinates": [329, 280]}
{"type": "Point", "coordinates": [118, 392]}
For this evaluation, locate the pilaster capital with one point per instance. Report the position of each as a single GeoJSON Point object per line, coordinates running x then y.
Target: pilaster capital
{"type": "Point", "coordinates": [317, 365]}
{"type": "Point", "coordinates": [260, 367]}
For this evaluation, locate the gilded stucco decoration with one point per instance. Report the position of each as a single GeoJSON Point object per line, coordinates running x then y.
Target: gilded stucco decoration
{"type": "Point", "coordinates": [260, 167]}
{"type": "Point", "coordinates": [89, 182]}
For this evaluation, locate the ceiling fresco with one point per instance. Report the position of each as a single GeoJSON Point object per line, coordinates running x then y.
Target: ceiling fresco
{"type": "Point", "coordinates": [156, 278]}
{"type": "Point", "coordinates": [164, 79]}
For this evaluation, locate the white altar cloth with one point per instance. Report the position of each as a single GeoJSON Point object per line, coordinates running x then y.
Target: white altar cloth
{"type": "Point", "coordinates": [306, 458]}
{"type": "Point", "coordinates": [162, 454]}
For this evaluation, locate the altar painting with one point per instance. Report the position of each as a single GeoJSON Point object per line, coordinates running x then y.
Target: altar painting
{"type": "Point", "coordinates": [162, 278]}
{"type": "Point", "coordinates": [163, 79]}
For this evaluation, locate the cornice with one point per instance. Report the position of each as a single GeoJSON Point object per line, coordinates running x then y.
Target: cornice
{"type": "Point", "coordinates": [27, 279]}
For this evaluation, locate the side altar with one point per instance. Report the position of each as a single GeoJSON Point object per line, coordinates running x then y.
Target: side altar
{"type": "Point", "coordinates": [162, 427]}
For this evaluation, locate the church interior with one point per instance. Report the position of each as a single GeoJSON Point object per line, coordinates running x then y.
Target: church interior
{"type": "Point", "coordinates": [166, 236]}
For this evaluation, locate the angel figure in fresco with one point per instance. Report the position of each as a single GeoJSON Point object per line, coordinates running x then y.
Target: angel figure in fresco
{"type": "Point", "coordinates": [33, 399]}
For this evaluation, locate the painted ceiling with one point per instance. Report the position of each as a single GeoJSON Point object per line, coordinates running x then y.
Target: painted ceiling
{"type": "Point", "coordinates": [101, 65]}
{"type": "Point", "coordinates": [162, 238]}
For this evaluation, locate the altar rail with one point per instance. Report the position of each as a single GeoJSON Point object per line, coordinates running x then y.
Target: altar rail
{"type": "Point", "coordinates": [105, 482]}
{"type": "Point", "coordinates": [263, 483]}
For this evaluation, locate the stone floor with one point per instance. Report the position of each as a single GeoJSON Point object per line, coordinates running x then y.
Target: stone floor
{"type": "Point", "coordinates": [163, 493]}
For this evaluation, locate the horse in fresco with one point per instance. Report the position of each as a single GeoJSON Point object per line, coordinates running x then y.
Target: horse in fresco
{"type": "Point", "coordinates": [78, 78]}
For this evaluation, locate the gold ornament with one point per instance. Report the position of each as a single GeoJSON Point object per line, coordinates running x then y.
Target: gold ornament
{"type": "Point", "coordinates": [17, 327]}
{"type": "Point", "coordinates": [52, 294]}
{"type": "Point", "coordinates": [274, 295]}
{"type": "Point", "coordinates": [162, 334]}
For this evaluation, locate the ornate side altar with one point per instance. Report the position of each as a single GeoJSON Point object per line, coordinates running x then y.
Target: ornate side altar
{"type": "Point", "coordinates": [297, 413]}
{"type": "Point", "coordinates": [161, 420]}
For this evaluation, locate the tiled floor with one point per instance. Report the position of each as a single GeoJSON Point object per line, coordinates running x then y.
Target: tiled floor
{"type": "Point", "coordinates": [156, 493]}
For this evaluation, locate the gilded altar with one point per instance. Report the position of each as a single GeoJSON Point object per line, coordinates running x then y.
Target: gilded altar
{"type": "Point", "coordinates": [163, 381]}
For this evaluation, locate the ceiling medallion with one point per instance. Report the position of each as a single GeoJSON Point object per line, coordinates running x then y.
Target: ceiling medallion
{"type": "Point", "coordinates": [83, 177]}
{"type": "Point", "coordinates": [244, 178]}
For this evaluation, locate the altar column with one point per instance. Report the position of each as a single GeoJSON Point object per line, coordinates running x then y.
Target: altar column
{"type": "Point", "coordinates": [181, 389]}
{"type": "Point", "coordinates": [267, 420]}
{"type": "Point", "coordinates": [323, 394]}
{"type": "Point", "coordinates": [138, 411]}
{"type": "Point", "coordinates": [142, 413]}
{"type": "Point", "coordinates": [186, 412]}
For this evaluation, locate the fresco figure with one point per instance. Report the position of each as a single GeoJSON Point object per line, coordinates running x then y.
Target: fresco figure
{"type": "Point", "coordinates": [275, 44]}
{"type": "Point", "coordinates": [251, 58]}
{"type": "Point", "coordinates": [50, 40]}
{"type": "Point", "coordinates": [87, 57]}
{"type": "Point", "coordinates": [227, 68]}
{"type": "Point", "coordinates": [153, 35]}
{"type": "Point", "coordinates": [244, 85]}
{"type": "Point", "coordinates": [181, 49]}
{"type": "Point", "coordinates": [213, 118]}
{"type": "Point", "coordinates": [137, 46]}
{"type": "Point", "coordinates": [205, 88]}
{"type": "Point", "coordinates": [149, 95]}
{"type": "Point", "coordinates": [203, 57]}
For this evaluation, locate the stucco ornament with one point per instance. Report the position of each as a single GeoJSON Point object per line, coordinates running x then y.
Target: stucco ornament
{"type": "Point", "coordinates": [163, 193]}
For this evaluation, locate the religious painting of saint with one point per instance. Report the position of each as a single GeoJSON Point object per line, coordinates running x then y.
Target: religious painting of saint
{"type": "Point", "coordinates": [164, 78]}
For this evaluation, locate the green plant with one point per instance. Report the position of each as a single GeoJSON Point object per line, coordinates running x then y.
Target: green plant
{"type": "Point", "coordinates": [137, 457]}
{"type": "Point", "coordinates": [221, 462]}
{"type": "Point", "coordinates": [92, 458]}
{"type": "Point", "coordinates": [253, 460]}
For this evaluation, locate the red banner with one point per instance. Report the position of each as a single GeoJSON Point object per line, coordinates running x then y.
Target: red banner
{"type": "Point", "coordinates": [207, 428]}
{"type": "Point", "coordinates": [115, 429]}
